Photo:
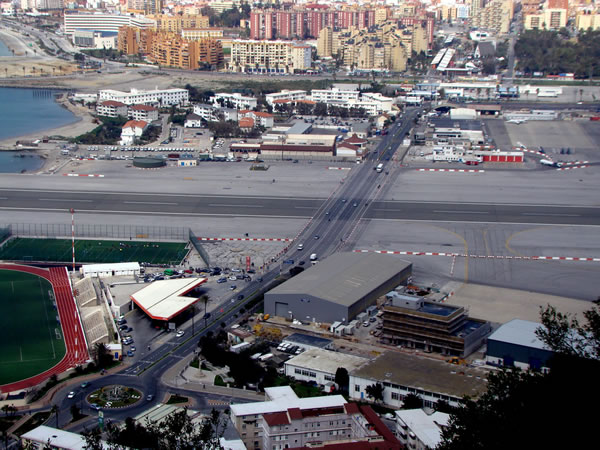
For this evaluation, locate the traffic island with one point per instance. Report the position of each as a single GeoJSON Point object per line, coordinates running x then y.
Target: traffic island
{"type": "Point", "coordinates": [114, 396]}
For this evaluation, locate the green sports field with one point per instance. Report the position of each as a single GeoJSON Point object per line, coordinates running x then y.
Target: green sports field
{"type": "Point", "coordinates": [32, 339]}
{"type": "Point", "coordinates": [92, 251]}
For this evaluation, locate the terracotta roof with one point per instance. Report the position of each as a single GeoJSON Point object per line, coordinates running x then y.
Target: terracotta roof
{"type": "Point", "coordinates": [112, 103]}
{"type": "Point", "coordinates": [135, 124]}
{"type": "Point", "coordinates": [262, 114]}
{"type": "Point", "coordinates": [295, 413]}
{"type": "Point", "coordinates": [244, 111]}
{"type": "Point", "coordinates": [355, 140]}
{"type": "Point", "coordinates": [246, 122]}
{"type": "Point", "coordinates": [278, 418]}
{"type": "Point", "coordinates": [350, 146]}
{"type": "Point", "coordinates": [282, 100]}
{"type": "Point", "coordinates": [307, 102]}
{"type": "Point", "coordinates": [144, 108]}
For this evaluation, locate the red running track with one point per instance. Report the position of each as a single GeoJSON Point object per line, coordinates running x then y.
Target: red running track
{"type": "Point", "coordinates": [76, 346]}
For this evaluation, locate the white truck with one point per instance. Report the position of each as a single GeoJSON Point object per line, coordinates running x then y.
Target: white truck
{"type": "Point", "coordinates": [313, 258]}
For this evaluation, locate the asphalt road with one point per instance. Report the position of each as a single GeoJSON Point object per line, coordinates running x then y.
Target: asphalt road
{"type": "Point", "coordinates": [203, 205]}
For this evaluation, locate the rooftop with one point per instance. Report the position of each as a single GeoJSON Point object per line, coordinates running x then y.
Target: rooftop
{"type": "Point", "coordinates": [519, 332]}
{"type": "Point", "coordinates": [344, 278]}
{"type": "Point", "coordinates": [462, 124]}
{"type": "Point", "coordinates": [424, 373]}
{"type": "Point", "coordinates": [326, 360]}
{"type": "Point", "coordinates": [56, 438]}
{"type": "Point", "coordinates": [307, 339]}
{"type": "Point", "coordinates": [165, 299]}
{"type": "Point", "coordinates": [427, 428]}
{"type": "Point", "coordinates": [284, 398]}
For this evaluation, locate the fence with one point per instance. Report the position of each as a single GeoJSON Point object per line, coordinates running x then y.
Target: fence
{"type": "Point", "coordinates": [96, 231]}
{"type": "Point", "coordinates": [4, 234]}
{"type": "Point", "coordinates": [199, 248]}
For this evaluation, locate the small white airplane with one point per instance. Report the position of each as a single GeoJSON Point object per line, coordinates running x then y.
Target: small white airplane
{"type": "Point", "coordinates": [547, 162]}
{"type": "Point", "coordinates": [517, 121]}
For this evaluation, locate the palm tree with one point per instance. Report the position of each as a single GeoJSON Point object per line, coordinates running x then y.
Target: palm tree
{"type": "Point", "coordinates": [6, 72]}
{"type": "Point", "coordinates": [54, 410]}
{"type": "Point", "coordinates": [23, 70]}
{"type": "Point", "coordinates": [205, 299]}
{"type": "Point", "coordinates": [33, 70]}
{"type": "Point", "coordinates": [194, 311]}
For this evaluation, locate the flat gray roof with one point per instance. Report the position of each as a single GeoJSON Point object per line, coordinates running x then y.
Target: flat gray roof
{"type": "Point", "coordinates": [424, 373]}
{"type": "Point", "coordinates": [519, 332]}
{"type": "Point", "coordinates": [344, 278]}
{"type": "Point", "coordinates": [307, 339]}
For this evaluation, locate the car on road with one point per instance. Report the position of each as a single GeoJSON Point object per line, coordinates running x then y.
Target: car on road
{"type": "Point", "coordinates": [251, 271]}
{"type": "Point", "coordinates": [344, 200]}
{"type": "Point", "coordinates": [130, 353]}
{"type": "Point", "coordinates": [355, 204]}
{"type": "Point", "coordinates": [316, 236]}
{"type": "Point", "coordinates": [149, 397]}
{"type": "Point", "coordinates": [132, 348]}
{"type": "Point", "coordinates": [232, 278]}
{"type": "Point", "coordinates": [301, 263]}
{"type": "Point", "coordinates": [71, 394]}
{"type": "Point", "coordinates": [85, 384]}
{"type": "Point", "coordinates": [206, 316]}
{"type": "Point", "coordinates": [180, 333]}
{"type": "Point", "coordinates": [95, 406]}
{"type": "Point", "coordinates": [236, 270]}
{"type": "Point", "coordinates": [259, 279]}
{"type": "Point", "coordinates": [233, 287]}
{"type": "Point", "coordinates": [289, 261]}
{"type": "Point", "coordinates": [240, 297]}
{"type": "Point", "coordinates": [365, 324]}
{"type": "Point", "coordinates": [222, 280]}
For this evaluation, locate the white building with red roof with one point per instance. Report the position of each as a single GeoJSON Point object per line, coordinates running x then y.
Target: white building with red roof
{"type": "Point", "coordinates": [111, 108]}
{"type": "Point", "coordinates": [260, 118]}
{"type": "Point", "coordinates": [356, 141]}
{"type": "Point", "coordinates": [146, 113]}
{"type": "Point", "coordinates": [132, 130]}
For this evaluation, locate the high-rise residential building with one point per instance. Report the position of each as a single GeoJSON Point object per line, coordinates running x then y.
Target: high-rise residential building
{"type": "Point", "coordinates": [325, 43]}
{"type": "Point", "coordinates": [495, 16]}
{"type": "Point", "coordinates": [269, 56]}
{"type": "Point", "coordinates": [176, 23]}
{"type": "Point", "coordinates": [546, 19]}
{"type": "Point", "coordinates": [103, 22]}
{"type": "Point", "coordinates": [306, 22]}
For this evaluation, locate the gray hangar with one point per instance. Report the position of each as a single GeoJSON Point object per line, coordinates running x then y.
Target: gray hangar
{"type": "Point", "coordinates": [338, 288]}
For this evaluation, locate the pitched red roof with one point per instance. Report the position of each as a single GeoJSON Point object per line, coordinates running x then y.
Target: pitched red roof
{"type": "Point", "coordinates": [114, 103]}
{"type": "Point", "coordinates": [295, 413]}
{"type": "Point", "coordinates": [282, 100]}
{"type": "Point", "coordinates": [135, 124]}
{"type": "Point", "coordinates": [144, 108]}
{"type": "Point", "coordinates": [278, 418]}
{"type": "Point", "coordinates": [355, 140]}
{"type": "Point", "coordinates": [246, 122]}
{"type": "Point", "coordinates": [262, 114]}
{"type": "Point", "coordinates": [349, 146]}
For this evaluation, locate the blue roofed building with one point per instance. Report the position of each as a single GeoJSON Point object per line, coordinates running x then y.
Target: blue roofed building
{"type": "Point", "coordinates": [431, 326]}
{"type": "Point", "coordinates": [515, 344]}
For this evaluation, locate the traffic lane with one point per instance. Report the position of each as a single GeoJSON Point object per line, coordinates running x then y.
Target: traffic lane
{"type": "Point", "coordinates": [156, 203]}
{"type": "Point", "coordinates": [480, 212]}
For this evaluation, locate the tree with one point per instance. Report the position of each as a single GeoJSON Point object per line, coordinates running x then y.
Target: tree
{"type": "Point", "coordinates": [375, 391]}
{"type": "Point", "coordinates": [342, 379]}
{"type": "Point", "coordinates": [101, 355]}
{"type": "Point", "coordinates": [564, 334]}
{"type": "Point", "coordinates": [412, 401]}
{"type": "Point", "coordinates": [54, 410]}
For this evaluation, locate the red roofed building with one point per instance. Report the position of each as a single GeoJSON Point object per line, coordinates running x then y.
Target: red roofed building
{"type": "Point", "coordinates": [260, 118]}
{"type": "Point", "coordinates": [132, 130]}
{"type": "Point", "coordinates": [355, 140]}
{"type": "Point", "coordinates": [348, 426]}
{"type": "Point", "coordinates": [246, 123]}
{"type": "Point", "coordinates": [146, 113]}
{"type": "Point", "coordinates": [111, 108]}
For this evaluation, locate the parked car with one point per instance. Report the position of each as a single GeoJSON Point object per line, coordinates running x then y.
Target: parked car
{"type": "Point", "coordinates": [71, 394]}
{"type": "Point", "coordinates": [180, 333]}
{"type": "Point", "coordinates": [85, 384]}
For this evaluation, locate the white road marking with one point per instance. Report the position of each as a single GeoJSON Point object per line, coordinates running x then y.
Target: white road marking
{"type": "Point", "coordinates": [461, 212]}
{"type": "Point", "coordinates": [551, 214]}
{"type": "Point", "coordinates": [64, 200]}
{"type": "Point", "coordinates": [237, 206]}
{"type": "Point", "coordinates": [152, 203]}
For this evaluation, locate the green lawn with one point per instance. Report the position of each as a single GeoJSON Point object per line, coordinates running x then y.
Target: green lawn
{"type": "Point", "coordinates": [32, 339]}
{"type": "Point", "coordinates": [92, 251]}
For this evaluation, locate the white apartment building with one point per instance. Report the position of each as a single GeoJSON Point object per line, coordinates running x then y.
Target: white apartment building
{"type": "Point", "coordinates": [143, 112]}
{"type": "Point", "coordinates": [285, 95]}
{"type": "Point", "coordinates": [258, 56]}
{"type": "Point", "coordinates": [102, 22]}
{"type": "Point", "coordinates": [247, 417]}
{"type": "Point", "coordinates": [195, 34]}
{"type": "Point", "coordinates": [160, 97]}
{"type": "Point", "coordinates": [417, 430]}
{"type": "Point", "coordinates": [334, 95]}
{"type": "Point", "coordinates": [319, 366]}
{"type": "Point", "coordinates": [212, 113]}
{"type": "Point", "coordinates": [111, 108]}
{"type": "Point", "coordinates": [132, 130]}
{"type": "Point", "coordinates": [236, 100]}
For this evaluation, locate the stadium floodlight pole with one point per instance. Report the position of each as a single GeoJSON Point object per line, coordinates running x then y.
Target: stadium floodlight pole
{"type": "Point", "coordinates": [73, 236]}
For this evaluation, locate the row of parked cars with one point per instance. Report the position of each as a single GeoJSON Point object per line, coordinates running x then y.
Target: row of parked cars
{"type": "Point", "coordinates": [290, 348]}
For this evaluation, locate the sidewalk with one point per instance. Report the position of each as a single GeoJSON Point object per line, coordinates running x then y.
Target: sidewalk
{"type": "Point", "coordinates": [174, 378]}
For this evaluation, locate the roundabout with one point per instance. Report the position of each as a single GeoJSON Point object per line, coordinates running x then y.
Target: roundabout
{"type": "Point", "coordinates": [114, 396]}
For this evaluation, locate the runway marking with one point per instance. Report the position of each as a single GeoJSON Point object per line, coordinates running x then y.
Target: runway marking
{"type": "Point", "coordinates": [386, 209]}
{"type": "Point", "coordinates": [3, 198]}
{"type": "Point", "coordinates": [237, 206]}
{"type": "Point", "coordinates": [244, 239]}
{"type": "Point", "coordinates": [461, 212]}
{"type": "Point", "coordinates": [64, 200]}
{"type": "Point", "coordinates": [551, 214]}
{"type": "Point", "coordinates": [467, 255]}
{"type": "Point", "coordinates": [305, 207]}
{"type": "Point", "coordinates": [152, 203]}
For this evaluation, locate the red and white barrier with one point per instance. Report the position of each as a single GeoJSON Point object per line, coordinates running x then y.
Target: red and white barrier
{"type": "Point", "coordinates": [452, 170]}
{"type": "Point", "coordinates": [572, 167]}
{"type": "Point", "coordinates": [338, 168]}
{"type": "Point", "coordinates": [464, 255]}
{"type": "Point", "coordinates": [244, 239]}
{"type": "Point", "coordinates": [83, 175]}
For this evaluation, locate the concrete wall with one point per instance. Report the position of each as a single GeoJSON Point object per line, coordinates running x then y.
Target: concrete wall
{"type": "Point", "coordinates": [303, 307]}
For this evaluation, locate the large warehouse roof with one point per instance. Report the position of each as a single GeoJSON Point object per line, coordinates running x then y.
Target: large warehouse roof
{"type": "Point", "coordinates": [519, 332]}
{"type": "Point", "coordinates": [164, 299]}
{"type": "Point", "coordinates": [344, 278]}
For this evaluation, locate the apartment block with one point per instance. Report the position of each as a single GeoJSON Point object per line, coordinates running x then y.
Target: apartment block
{"type": "Point", "coordinates": [147, 113]}
{"type": "Point", "coordinates": [111, 108]}
{"type": "Point", "coordinates": [103, 22]}
{"type": "Point", "coordinates": [308, 21]}
{"type": "Point", "coordinates": [235, 101]}
{"type": "Point", "coordinates": [193, 34]}
{"type": "Point", "coordinates": [269, 56]}
{"type": "Point", "coordinates": [176, 23]}
{"type": "Point", "coordinates": [495, 16]}
{"type": "Point", "coordinates": [585, 20]}
{"type": "Point", "coordinates": [546, 19]}
{"type": "Point", "coordinates": [285, 95]}
{"type": "Point", "coordinates": [160, 97]}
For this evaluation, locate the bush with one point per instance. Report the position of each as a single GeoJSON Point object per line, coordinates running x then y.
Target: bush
{"type": "Point", "coordinates": [219, 381]}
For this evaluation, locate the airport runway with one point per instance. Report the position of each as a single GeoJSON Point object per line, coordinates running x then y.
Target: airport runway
{"type": "Point", "coordinates": [230, 206]}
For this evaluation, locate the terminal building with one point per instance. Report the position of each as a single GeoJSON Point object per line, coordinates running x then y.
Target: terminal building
{"type": "Point", "coordinates": [434, 327]}
{"type": "Point", "coordinates": [338, 288]}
